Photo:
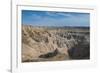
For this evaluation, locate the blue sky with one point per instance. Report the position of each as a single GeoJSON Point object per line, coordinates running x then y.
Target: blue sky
{"type": "Point", "coordinates": [50, 18]}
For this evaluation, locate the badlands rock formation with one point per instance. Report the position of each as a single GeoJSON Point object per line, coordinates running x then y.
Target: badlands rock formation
{"type": "Point", "coordinates": [54, 43]}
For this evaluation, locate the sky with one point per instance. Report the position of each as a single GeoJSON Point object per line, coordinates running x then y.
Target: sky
{"type": "Point", "coordinates": [51, 18]}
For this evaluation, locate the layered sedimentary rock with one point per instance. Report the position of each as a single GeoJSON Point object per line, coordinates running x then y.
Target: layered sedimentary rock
{"type": "Point", "coordinates": [51, 43]}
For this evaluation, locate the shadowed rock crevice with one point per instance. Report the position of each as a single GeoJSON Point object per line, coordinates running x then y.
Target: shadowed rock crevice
{"type": "Point", "coordinates": [49, 54]}
{"type": "Point", "coordinates": [81, 51]}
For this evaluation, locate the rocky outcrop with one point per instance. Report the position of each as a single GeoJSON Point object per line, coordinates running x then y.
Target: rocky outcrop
{"type": "Point", "coordinates": [47, 43]}
{"type": "Point", "coordinates": [49, 54]}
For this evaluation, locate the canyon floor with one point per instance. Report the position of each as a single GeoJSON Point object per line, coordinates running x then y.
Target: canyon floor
{"type": "Point", "coordinates": [55, 43]}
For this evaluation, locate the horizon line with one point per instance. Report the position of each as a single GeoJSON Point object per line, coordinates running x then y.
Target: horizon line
{"type": "Point", "coordinates": [52, 26]}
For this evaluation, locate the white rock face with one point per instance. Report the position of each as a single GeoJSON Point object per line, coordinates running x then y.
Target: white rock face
{"type": "Point", "coordinates": [37, 41]}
